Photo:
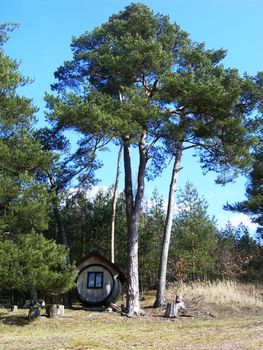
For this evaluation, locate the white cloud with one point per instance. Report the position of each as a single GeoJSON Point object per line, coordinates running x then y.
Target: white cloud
{"type": "Point", "coordinates": [90, 193]}
{"type": "Point", "coordinates": [241, 218]}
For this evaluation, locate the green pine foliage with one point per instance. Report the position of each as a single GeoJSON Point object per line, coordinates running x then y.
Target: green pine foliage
{"type": "Point", "coordinates": [24, 204]}
{"type": "Point", "coordinates": [26, 260]}
{"type": "Point", "coordinates": [151, 228]}
{"type": "Point", "coordinates": [238, 254]}
{"type": "Point", "coordinates": [139, 78]}
{"type": "Point", "coordinates": [253, 205]}
{"type": "Point", "coordinates": [199, 249]}
{"type": "Point", "coordinates": [34, 261]}
{"type": "Point", "coordinates": [194, 237]}
{"type": "Point", "coordinates": [88, 222]}
{"type": "Point", "coordinates": [110, 86]}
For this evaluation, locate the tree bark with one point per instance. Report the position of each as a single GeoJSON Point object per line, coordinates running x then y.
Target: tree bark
{"type": "Point", "coordinates": [33, 293]}
{"type": "Point", "coordinates": [133, 209]}
{"type": "Point", "coordinates": [57, 214]}
{"type": "Point", "coordinates": [114, 204]}
{"type": "Point", "coordinates": [62, 231]}
{"type": "Point", "coordinates": [160, 295]}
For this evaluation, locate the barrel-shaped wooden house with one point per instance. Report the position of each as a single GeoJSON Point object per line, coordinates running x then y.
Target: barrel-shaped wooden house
{"type": "Point", "coordinates": [99, 281]}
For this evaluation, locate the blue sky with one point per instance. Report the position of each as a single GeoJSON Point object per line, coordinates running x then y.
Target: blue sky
{"type": "Point", "coordinates": [43, 40]}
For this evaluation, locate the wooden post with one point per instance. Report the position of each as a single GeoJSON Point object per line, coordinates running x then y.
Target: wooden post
{"type": "Point", "coordinates": [55, 310]}
{"type": "Point", "coordinates": [34, 312]}
{"type": "Point", "coordinates": [13, 308]}
{"type": "Point", "coordinates": [172, 309]}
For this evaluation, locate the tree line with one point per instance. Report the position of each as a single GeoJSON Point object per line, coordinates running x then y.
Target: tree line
{"type": "Point", "coordinates": [139, 81]}
{"type": "Point", "coordinates": [199, 249]}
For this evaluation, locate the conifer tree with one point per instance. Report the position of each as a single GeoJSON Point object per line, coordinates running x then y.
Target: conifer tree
{"type": "Point", "coordinates": [116, 70]}
{"type": "Point", "coordinates": [24, 203]}
{"type": "Point", "coordinates": [34, 262]}
{"type": "Point", "coordinates": [194, 234]}
{"type": "Point", "coordinates": [140, 79]}
{"type": "Point", "coordinates": [253, 205]}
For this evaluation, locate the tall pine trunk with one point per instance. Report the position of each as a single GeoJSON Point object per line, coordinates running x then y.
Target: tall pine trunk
{"type": "Point", "coordinates": [58, 217]}
{"type": "Point", "coordinates": [133, 210]}
{"type": "Point", "coordinates": [33, 293]}
{"type": "Point", "coordinates": [114, 204]}
{"type": "Point", "coordinates": [62, 232]}
{"type": "Point", "coordinates": [160, 295]}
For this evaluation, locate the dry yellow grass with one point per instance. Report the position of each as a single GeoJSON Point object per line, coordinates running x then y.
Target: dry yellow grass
{"type": "Point", "coordinates": [87, 330]}
{"type": "Point", "coordinates": [224, 293]}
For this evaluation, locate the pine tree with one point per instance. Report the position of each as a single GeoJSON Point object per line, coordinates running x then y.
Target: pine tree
{"type": "Point", "coordinates": [139, 79]}
{"type": "Point", "coordinates": [194, 237]}
{"type": "Point", "coordinates": [33, 262]}
{"type": "Point", "coordinates": [116, 70]}
{"type": "Point", "coordinates": [253, 205]}
{"type": "Point", "coordinates": [24, 204]}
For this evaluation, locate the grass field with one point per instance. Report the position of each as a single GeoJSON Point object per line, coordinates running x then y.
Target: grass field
{"type": "Point", "coordinates": [204, 326]}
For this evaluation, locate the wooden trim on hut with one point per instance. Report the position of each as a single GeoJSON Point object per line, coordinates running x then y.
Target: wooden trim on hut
{"type": "Point", "coordinates": [99, 281]}
{"type": "Point", "coordinates": [94, 253]}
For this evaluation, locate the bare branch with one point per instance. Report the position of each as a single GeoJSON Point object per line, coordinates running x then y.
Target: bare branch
{"type": "Point", "coordinates": [150, 147]}
{"type": "Point", "coordinates": [153, 89]}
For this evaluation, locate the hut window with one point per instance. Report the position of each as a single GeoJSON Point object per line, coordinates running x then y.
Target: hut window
{"type": "Point", "coordinates": [95, 279]}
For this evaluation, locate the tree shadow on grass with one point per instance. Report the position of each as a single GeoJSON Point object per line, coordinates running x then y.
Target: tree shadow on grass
{"type": "Point", "coordinates": [14, 320]}
{"type": "Point", "coordinates": [89, 308]}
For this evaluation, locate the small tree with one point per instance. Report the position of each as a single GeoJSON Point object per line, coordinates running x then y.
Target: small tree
{"type": "Point", "coordinates": [253, 205]}
{"type": "Point", "coordinates": [238, 254]}
{"type": "Point", "coordinates": [23, 203]}
{"type": "Point", "coordinates": [151, 229]}
{"type": "Point", "coordinates": [34, 262]}
{"type": "Point", "coordinates": [194, 240]}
